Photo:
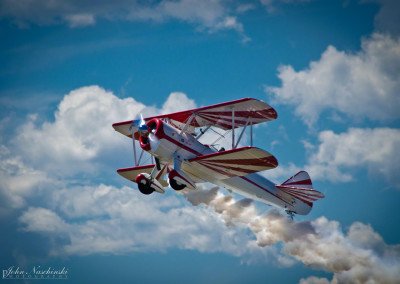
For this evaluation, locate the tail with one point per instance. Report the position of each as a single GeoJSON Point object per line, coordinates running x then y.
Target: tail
{"type": "Point", "coordinates": [300, 187]}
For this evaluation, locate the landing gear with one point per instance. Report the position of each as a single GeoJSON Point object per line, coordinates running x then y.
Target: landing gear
{"type": "Point", "coordinates": [291, 214]}
{"type": "Point", "coordinates": [144, 187]}
{"type": "Point", "coordinates": [174, 184]}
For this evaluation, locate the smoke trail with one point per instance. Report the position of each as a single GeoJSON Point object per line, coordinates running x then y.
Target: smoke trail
{"type": "Point", "coordinates": [360, 256]}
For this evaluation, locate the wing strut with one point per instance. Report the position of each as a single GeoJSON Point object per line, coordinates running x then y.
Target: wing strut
{"type": "Point", "coordinates": [140, 157]}
{"type": "Point", "coordinates": [233, 127]}
{"type": "Point", "coordinates": [134, 144]}
{"type": "Point", "coordinates": [188, 123]}
{"type": "Point", "coordinates": [251, 132]}
{"type": "Point", "coordinates": [241, 134]}
{"type": "Point", "coordinates": [202, 132]}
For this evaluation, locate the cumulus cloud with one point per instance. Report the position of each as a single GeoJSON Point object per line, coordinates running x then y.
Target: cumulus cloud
{"type": "Point", "coordinates": [314, 280]}
{"type": "Point", "coordinates": [18, 180]}
{"type": "Point", "coordinates": [376, 149]}
{"type": "Point", "coordinates": [361, 85]}
{"type": "Point", "coordinates": [81, 130]}
{"type": "Point", "coordinates": [360, 256]}
{"type": "Point", "coordinates": [101, 218]}
{"type": "Point", "coordinates": [78, 142]}
{"type": "Point", "coordinates": [177, 101]}
{"type": "Point", "coordinates": [42, 220]}
{"type": "Point", "coordinates": [97, 219]}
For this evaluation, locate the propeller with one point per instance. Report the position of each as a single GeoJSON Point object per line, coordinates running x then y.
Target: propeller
{"type": "Point", "coordinates": [138, 125]}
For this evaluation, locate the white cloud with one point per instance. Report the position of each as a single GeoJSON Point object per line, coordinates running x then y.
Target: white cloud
{"type": "Point", "coordinates": [337, 157]}
{"type": "Point", "coordinates": [82, 132]}
{"type": "Point", "coordinates": [361, 85]}
{"type": "Point", "coordinates": [177, 101]}
{"type": "Point", "coordinates": [376, 149]}
{"type": "Point", "coordinates": [101, 218]}
{"type": "Point", "coordinates": [104, 218]}
{"type": "Point", "coordinates": [360, 256]}
{"type": "Point", "coordinates": [314, 280]}
{"type": "Point", "coordinates": [79, 142]}
{"type": "Point", "coordinates": [80, 20]}
{"type": "Point", "coordinates": [42, 220]}
{"type": "Point", "coordinates": [18, 181]}
{"type": "Point", "coordinates": [209, 14]}
{"type": "Point", "coordinates": [352, 259]}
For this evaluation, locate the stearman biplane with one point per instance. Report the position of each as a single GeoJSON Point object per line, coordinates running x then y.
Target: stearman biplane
{"type": "Point", "coordinates": [181, 161]}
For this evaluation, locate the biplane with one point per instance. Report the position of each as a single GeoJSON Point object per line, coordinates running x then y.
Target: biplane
{"type": "Point", "coordinates": [182, 161]}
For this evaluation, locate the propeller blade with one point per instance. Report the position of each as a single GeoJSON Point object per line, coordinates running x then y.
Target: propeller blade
{"type": "Point", "coordinates": [139, 125]}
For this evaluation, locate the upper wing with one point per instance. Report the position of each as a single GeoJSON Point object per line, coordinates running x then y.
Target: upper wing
{"type": "Point", "coordinates": [231, 163]}
{"type": "Point", "coordinates": [219, 115]}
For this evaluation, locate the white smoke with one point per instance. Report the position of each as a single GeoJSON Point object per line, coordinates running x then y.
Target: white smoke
{"type": "Point", "coordinates": [360, 256]}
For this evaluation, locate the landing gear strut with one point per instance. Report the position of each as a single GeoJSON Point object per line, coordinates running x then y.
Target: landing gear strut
{"type": "Point", "coordinates": [291, 214]}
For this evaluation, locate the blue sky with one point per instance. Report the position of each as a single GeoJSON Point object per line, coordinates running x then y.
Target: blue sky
{"type": "Point", "coordinates": [69, 70]}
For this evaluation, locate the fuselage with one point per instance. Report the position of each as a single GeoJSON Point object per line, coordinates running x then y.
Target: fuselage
{"type": "Point", "coordinates": [174, 148]}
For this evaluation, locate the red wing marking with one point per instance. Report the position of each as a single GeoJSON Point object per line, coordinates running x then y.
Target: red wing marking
{"type": "Point", "coordinates": [219, 115]}
{"type": "Point", "coordinates": [299, 180]}
{"type": "Point", "coordinates": [304, 194]}
{"type": "Point", "coordinates": [231, 163]}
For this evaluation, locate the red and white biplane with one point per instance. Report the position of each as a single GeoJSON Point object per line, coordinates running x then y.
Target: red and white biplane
{"type": "Point", "coordinates": [181, 160]}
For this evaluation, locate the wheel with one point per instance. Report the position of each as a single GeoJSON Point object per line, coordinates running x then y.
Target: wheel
{"type": "Point", "coordinates": [175, 185]}
{"type": "Point", "coordinates": [144, 187]}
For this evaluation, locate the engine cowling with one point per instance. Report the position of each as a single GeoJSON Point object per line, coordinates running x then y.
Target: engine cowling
{"type": "Point", "coordinates": [178, 180]}
{"type": "Point", "coordinates": [155, 128]}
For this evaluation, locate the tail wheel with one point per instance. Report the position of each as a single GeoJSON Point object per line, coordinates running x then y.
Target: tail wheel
{"type": "Point", "coordinates": [144, 187]}
{"type": "Point", "coordinates": [175, 185]}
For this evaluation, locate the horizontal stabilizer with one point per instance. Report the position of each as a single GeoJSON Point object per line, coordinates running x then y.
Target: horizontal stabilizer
{"type": "Point", "coordinates": [300, 187]}
{"type": "Point", "coordinates": [231, 163]}
{"type": "Point", "coordinates": [304, 194]}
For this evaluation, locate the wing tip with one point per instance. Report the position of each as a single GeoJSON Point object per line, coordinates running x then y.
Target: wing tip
{"type": "Point", "coordinates": [115, 124]}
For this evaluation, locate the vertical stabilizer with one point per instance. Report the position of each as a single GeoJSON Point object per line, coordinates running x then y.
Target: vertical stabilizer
{"type": "Point", "coordinates": [301, 179]}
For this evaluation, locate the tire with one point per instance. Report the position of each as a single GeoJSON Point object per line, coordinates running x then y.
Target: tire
{"type": "Point", "coordinates": [145, 188]}
{"type": "Point", "coordinates": [175, 185]}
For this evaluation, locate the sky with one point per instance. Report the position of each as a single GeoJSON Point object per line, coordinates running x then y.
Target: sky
{"type": "Point", "coordinates": [69, 69]}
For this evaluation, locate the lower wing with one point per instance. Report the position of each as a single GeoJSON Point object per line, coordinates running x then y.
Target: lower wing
{"type": "Point", "coordinates": [231, 163]}
{"type": "Point", "coordinates": [133, 172]}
